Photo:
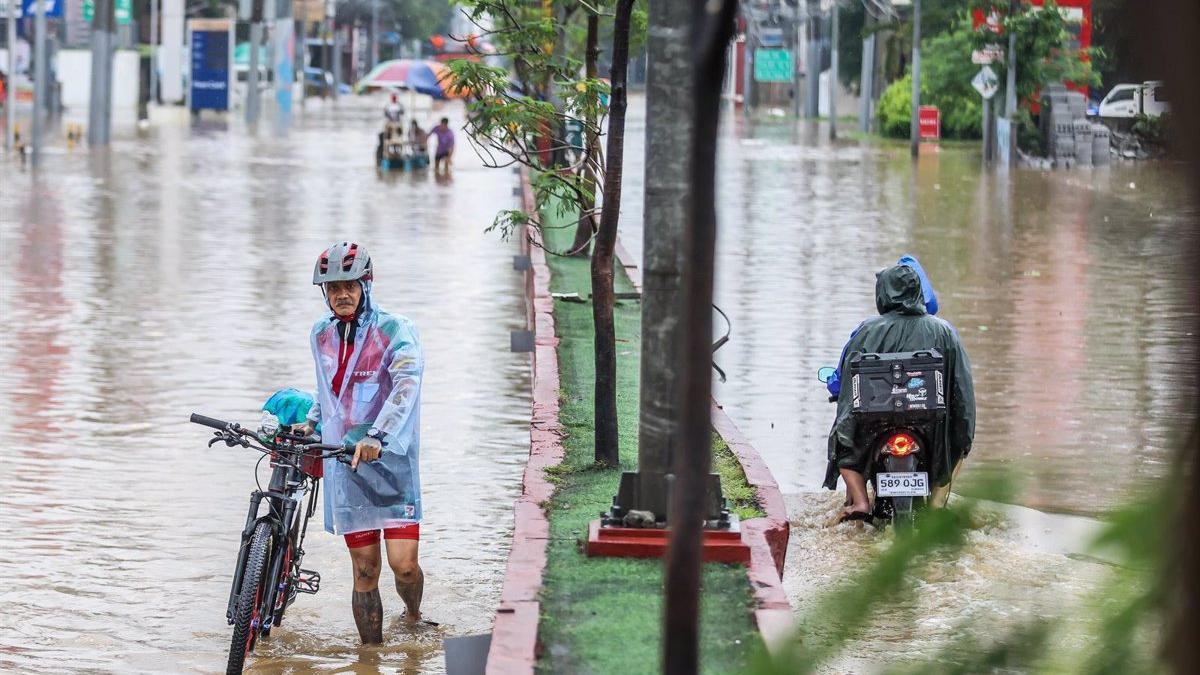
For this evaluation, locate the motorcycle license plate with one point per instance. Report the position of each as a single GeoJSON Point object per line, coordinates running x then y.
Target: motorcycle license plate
{"type": "Point", "coordinates": [915, 484]}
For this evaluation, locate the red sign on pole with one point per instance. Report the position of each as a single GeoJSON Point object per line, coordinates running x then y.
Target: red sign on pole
{"type": "Point", "coordinates": [929, 123]}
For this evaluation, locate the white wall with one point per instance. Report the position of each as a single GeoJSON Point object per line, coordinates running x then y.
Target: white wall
{"type": "Point", "coordinates": [847, 102]}
{"type": "Point", "coordinates": [75, 73]}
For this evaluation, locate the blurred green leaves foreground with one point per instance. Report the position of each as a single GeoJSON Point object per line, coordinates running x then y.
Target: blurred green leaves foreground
{"type": "Point", "coordinates": [1116, 628]}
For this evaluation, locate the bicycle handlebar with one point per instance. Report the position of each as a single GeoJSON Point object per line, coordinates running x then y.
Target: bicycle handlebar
{"type": "Point", "coordinates": [209, 422]}
{"type": "Point", "coordinates": [308, 443]}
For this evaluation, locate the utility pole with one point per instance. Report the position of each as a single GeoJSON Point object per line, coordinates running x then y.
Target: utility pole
{"type": "Point", "coordinates": [866, 86]}
{"type": "Point", "coordinates": [10, 108]}
{"type": "Point", "coordinates": [914, 129]}
{"type": "Point", "coordinates": [256, 32]}
{"type": "Point", "coordinates": [336, 44]}
{"type": "Point", "coordinates": [833, 71]}
{"type": "Point", "coordinates": [374, 33]}
{"type": "Point", "coordinates": [300, 10]}
{"type": "Point", "coordinates": [154, 51]}
{"type": "Point", "coordinates": [39, 79]}
{"type": "Point", "coordinates": [100, 99]}
{"type": "Point", "coordinates": [1010, 84]}
{"type": "Point", "coordinates": [812, 76]}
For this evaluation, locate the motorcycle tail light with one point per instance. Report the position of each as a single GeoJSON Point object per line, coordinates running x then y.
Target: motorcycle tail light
{"type": "Point", "coordinates": [900, 445]}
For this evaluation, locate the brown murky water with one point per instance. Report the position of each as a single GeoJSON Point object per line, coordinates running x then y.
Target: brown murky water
{"type": "Point", "coordinates": [1068, 289]}
{"type": "Point", "coordinates": [172, 277]}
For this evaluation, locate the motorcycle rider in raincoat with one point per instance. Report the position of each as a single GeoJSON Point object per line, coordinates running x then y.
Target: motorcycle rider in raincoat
{"type": "Point", "coordinates": [904, 324]}
{"type": "Point", "coordinates": [369, 367]}
{"type": "Point", "coordinates": [834, 384]}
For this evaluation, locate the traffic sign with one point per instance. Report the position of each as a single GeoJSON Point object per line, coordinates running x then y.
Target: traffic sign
{"type": "Point", "coordinates": [929, 123]}
{"type": "Point", "coordinates": [989, 54]}
{"type": "Point", "coordinates": [986, 82]}
{"type": "Point", "coordinates": [773, 65]}
{"type": "Point", "coordinates": [52, 8]}
{"type": "Point", "coordinates": [122, 9]}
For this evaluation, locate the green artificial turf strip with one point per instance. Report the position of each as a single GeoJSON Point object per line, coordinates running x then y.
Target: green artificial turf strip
{"type": "Point", "coordinates": [604, 615]}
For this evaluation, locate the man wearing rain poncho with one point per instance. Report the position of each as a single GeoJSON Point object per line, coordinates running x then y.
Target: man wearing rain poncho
{"type": "Point", "coordinates": [906, 303]}
{"type": "Point", "coordinates": [369, 367]}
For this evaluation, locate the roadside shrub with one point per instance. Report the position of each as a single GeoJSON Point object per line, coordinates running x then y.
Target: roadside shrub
{"type": "Point", "coordinates": [961, 113]}
{"type": "Point", "coordinates": [894, 110]}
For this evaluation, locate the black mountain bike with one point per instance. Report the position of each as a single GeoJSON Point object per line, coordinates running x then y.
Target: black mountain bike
{"type": "Point", "coordinates": [268, 577]}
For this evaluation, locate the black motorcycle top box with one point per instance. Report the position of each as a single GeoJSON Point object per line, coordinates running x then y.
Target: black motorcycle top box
{"type": "Point", "coordinates": [902, 382]}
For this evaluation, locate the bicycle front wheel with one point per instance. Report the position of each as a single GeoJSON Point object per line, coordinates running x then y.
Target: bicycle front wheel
{"type": "Point", "coordinates": [249, 615]}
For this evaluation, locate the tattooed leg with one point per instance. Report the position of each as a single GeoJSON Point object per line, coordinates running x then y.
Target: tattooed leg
{"type": "Point", "coordinates": [365, 602]}
{"type": "Point", "coordinates": [410, 579]}
{"type": "Point", "coordinates": [368, 616]}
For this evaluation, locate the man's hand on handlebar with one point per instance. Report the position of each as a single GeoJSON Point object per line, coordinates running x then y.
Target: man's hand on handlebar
{"type": "Point", "coordinates": [303, 429]}
{"type": "Point", "coordinates": [366, 450]}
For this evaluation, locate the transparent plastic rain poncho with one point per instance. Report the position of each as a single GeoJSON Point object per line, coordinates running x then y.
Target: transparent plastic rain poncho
{"type": "Point", "coordinates": [381, 388]}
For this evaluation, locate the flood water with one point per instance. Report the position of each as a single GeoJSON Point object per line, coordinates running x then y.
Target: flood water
{"type": "Point", "coordinates": [173, 276]}
{"type": "Point", "coordinates": [1068, 290]}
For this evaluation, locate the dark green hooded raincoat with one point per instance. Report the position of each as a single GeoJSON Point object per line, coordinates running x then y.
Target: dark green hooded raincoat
{"type": "Point", "coordinates": [904, 326]}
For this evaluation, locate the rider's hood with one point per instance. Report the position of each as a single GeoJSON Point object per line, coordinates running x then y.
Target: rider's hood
{"type": "Point", "coordinates": [931, 299]}
{"type": "Point", "coordinates": [898, 289]}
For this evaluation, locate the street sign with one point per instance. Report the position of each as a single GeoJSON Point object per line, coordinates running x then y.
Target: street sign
{"type": "Point", "coordinates": [773, 65]}
{"type": "Point", "coordinates": [929, 123]}
{"type": "Point", "coordinates": [211, 43]}
{"type": "Point", "coordinates": [989, 54]}
{"type": "Point", "coordinates": [123, 10]}
{"type": "Point", "coordinates": [53, 8]}
{"type": "Point", "coordinates": [770, 37]}
{"type": "Point", "coordinates": [986, 82]}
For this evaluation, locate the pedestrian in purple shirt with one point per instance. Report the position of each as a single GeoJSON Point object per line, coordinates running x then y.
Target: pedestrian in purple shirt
{"type": "Point", "coordinates": [445, 147]}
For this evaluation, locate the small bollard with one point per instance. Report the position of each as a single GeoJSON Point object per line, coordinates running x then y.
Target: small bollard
{"type": "Point", "coordinates": [520, 341]}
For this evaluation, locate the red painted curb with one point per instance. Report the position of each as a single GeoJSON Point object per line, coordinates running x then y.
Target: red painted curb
{"type": "Point", "coordinates": [514, 634]}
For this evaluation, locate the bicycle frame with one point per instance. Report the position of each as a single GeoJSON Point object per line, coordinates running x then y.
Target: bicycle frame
{"type": "Point", "coordinates": [283, 495]}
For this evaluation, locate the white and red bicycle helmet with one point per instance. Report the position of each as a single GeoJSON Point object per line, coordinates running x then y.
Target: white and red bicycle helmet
{"type": "Point", "coordinates": [343, 261]}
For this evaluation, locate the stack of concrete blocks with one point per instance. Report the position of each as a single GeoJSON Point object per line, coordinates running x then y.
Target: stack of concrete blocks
{"type": "Point", "coordinates": [1083, 142]}
{"type": "Point", "coordinates": [1100, 145]}
{"type": "Point", "coordinates": [1070, 139]}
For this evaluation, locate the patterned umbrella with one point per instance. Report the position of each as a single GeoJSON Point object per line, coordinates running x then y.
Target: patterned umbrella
{"type": "Point", "coordinates": [426, 77]}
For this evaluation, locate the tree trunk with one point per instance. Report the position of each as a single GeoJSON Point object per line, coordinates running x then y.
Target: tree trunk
{"type": "Point", "coordinates": [1167, 45]}
{"type": "Point", "coordinates": [681, 649]}
{"type": "Point", "coordinates": [668, 135]}
{"type": "Point", "coordinates": [587, 222]}
{"type": "Point", "coordinates": [607, 446]}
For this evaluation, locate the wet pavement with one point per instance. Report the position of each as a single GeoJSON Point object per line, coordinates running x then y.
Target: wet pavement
{"type": "Point", "coordinates": [1068, 290]}
{"type": "Point", "coordinates": [173, 275]}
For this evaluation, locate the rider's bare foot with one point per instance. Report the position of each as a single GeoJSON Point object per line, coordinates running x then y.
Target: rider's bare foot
{"type": "Point", "coordinates": [853, 512]}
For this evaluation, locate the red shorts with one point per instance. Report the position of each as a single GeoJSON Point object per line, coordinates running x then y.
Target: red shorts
{"type": "Point", "coordinates": [371, 537]}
